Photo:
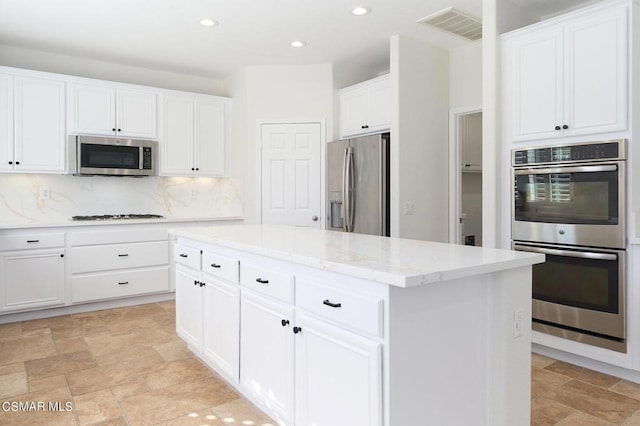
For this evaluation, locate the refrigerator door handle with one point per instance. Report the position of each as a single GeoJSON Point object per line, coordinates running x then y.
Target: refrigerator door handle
{"type": "Point", "coordinates": [352, 189]}
{"type": "Point", "coordinates": [345, 191]}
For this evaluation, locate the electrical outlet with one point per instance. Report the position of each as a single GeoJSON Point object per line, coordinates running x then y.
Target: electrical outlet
{"type": "Point", "coordinates": [518, 323]}
{"type": "Point", "coordinates": [409, 207]}
{"type": "Point", "coordinates": [45, 193]}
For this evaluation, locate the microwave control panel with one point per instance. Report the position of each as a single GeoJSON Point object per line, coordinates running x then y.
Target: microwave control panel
{"type": "Point", "coordinates": [595, 151]}
{"type": "Point", "coordinates": [147, 162]}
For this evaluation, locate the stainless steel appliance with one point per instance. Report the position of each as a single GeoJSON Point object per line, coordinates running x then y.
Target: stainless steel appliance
{"type": "Point", "coordinates": [90, 155]}
{"type": "Point", "coordinates": [358, 185]}
{"type": "Point", "coordinates": [569, 203]}
{"type": "Point", "coordinates": [128, 216]}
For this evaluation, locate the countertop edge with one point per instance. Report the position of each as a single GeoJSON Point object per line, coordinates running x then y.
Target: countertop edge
{"type": "Point", "coordinates": [79, 223]}
{"type": "Point", "coordinates": [375, 275]}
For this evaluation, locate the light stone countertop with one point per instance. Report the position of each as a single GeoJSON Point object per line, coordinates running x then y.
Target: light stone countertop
{"type": "Point", "coordinates": [393, 261]}
{"type": "Point", "coordinates": [73, 223]}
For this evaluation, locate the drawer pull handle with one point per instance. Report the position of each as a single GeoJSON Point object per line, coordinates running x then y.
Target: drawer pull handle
{"type": "Point", "coordinates": [33, 241]}
{"type": "Point", "coordinates": [261, 281]}
{"type": "Point", "coordinates": [196, 282]}
{"type": "Point", "coordinates": [215, 265]}
{"type": "Point", "coordinates": [297, 330]}
{"type": "Point", "coordinates": [284, 323]}
{"type": "Point", "coordinates": [183, 255]}
{"type": "Point", "coordinates": [123, 283]}
{"type": "Point", "coordinates": [123, 255]}
{"type": "Point", "coordinates": [333, 305]}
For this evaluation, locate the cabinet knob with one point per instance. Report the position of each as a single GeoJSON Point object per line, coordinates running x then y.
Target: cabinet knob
{"type": "Point", "coordinates": [17, 162]}
{"type": "Point", "coordinates": [197, 169]}
{"type": "Point", "coordinates": [193, 168]}
{"type": "Point", "coordinates": [297, 330]}
{"type": "Point", "coordinates": [565, 127]}
{"type": "Point", "coordinates": [195, 282]}
{"type": "Point", "coordinates": [10, 162]}
{"type": "Point", "coordinates": [119, 130]}
{"type": "Point", "coordinates": [113, 130]}
{"type": "Point", "coordinates": [557, 127]}
{"type": "Point", "coordinates": [467, 165]}
{"type": "Point", "coordinates": [201, 284]}
{"type": "Point", "coordinates": [62, 255]}
{"type": "Point", "coordinates": [284, 323]}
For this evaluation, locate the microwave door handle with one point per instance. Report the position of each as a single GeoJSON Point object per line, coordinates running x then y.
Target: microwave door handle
{"type": "Point", "coordinates": [572, 169]}
{"type": "Point", "coordinates": [567, 253]}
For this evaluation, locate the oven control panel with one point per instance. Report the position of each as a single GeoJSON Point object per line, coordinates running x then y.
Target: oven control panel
{"type": "Point", "coordinates": [593, 151]}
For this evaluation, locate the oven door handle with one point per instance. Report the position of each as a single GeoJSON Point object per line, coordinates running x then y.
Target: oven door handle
{"type": "Point", "coordinates": [572, 169]}
{"type": "Point", "coordinates": [567, 253]}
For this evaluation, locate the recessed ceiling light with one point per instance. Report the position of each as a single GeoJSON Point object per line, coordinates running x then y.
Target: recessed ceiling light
{"type": "Point", "coordinates": [360, 11]}
{"type": "Point", "coordinates": [209, 22]}
{"type": "Point", "coordinates": [297, 43]}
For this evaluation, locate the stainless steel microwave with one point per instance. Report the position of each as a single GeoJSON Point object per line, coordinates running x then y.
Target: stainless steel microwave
{"type": "Point", "coordinates": [90, 155]}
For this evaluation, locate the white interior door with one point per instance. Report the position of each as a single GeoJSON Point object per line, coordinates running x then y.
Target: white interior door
{"type": "Point", "coordinates": [291, 187]}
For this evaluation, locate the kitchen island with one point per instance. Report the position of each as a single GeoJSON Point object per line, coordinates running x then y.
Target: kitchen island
{"type": "Point", "coordinates": [321, 327]}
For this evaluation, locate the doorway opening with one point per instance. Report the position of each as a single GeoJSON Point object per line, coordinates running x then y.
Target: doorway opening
{"type": "Point", "coordinates": [465, 180]}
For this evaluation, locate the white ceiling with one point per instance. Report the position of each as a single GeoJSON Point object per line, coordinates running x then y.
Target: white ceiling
{"type": "Point", "coordinates": [166, 34]}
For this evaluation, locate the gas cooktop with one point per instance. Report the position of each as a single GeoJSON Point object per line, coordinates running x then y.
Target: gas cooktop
{"type": "Point", "coordinates": [118, 217]}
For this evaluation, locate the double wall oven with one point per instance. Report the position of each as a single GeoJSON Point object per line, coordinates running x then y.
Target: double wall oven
{"type": "Point", "coordinates": [569, 203]}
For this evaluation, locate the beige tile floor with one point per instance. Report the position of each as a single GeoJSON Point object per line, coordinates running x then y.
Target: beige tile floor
{"type": "Point", "coordinates": [122, 366]}
{"type": "Point", "coordinates": [126, 366]}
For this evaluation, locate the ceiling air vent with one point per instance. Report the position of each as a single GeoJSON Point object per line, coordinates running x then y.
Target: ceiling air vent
{"type": "Point", "coordinates": [454, 22]}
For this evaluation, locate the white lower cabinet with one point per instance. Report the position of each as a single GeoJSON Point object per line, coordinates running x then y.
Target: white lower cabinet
{"type": "Point", "coordinates": [338, 376]}
{"type": "Point", "coordinates": [208, 307]}
{"type": "Point", "coordinates": [189, 306]}
{"type": "Point", "coordinates": [32, 279]}
{"type": "Point", "coordinates": [266, 353]}
{"type": "Point", "coordinates": [221, 313]}
{"type": "Point", "coordinates": [115, 264]}
{"type": "Point", "coordinates": [32, 271]}
{"type": "Point", "coordinates": [306, 351]}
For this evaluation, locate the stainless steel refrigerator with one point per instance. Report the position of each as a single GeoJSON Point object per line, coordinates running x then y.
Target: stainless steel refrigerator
{"type": "Point", "coordinates": [358, 185]}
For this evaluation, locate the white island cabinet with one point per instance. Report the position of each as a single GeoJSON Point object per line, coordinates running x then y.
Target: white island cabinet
{"type": "Point", "coordinates": [349, 329]}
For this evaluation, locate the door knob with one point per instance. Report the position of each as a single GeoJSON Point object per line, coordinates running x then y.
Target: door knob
{"type": "Point", "coordinates": [314, 218]}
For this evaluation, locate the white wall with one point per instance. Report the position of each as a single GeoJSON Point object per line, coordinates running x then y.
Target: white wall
{"type": "Point", "coordinates": [11, 56]}
{"type": "Point", "coordinates": [287, 93]}
{"type": "Point", "coordinates": [419, 146]}
{"type": "Point", "coordinates": [465, 75]}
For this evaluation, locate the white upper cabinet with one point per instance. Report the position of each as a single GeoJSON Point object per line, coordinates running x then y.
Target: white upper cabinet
{"type": "Point", "coordinates": [471, 135]}
{"type": "Point", "coordinates": [6, 121]}
{"type": "Point", "coordinates": [365, 107]}
{"type": "Point", "coordinates": [568, 77]}
{"type": "Point", "coordinates": [101, 109]}
{"type": "Point", "coordinates": [32, 131]}
{"type": "Point", "coordinates": [193, 134]}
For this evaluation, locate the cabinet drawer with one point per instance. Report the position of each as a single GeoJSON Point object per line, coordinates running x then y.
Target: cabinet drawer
{"type": "Point", "coordinates": [359, 311]}
{"type": "Point", "coordinates": [188, 256]}
{"type": "Point", "coordinates": [267, 281]}
{"type": "Point", "coordinates": [119, 256]}
{"type": "Point", "coordinates": [31, 241]}
{"type": "Point", "coordinates": [221, 266]}
{"type": "Point", "coordinates": [119, 284]}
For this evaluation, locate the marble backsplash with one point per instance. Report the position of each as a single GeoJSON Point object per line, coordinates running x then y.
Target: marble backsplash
{"type": "Point", "coordinates": [172, 197]}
